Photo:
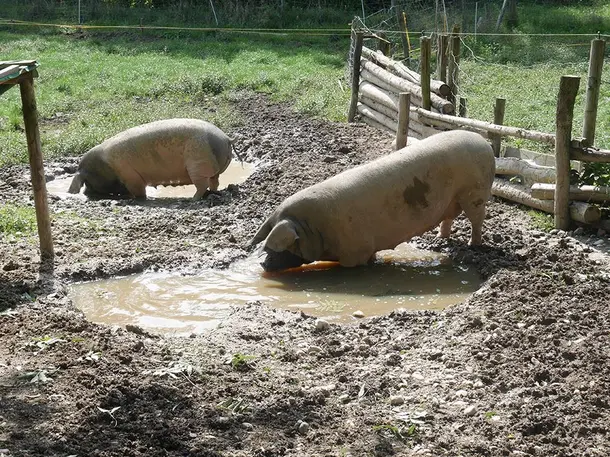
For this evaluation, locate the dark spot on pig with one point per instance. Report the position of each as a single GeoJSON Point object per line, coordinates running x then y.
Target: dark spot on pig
{"type": "Point", "coordinates": [416, 194]}
{"type": "Point", "coordinates": [479, 202]}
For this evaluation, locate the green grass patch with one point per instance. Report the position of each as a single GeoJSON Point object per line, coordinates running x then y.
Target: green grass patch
{"type": "Point", "coordinates": [541, 221]}
{"type": "Point", "coordinates": [17, 220]}
{"type": "Point", "coordinates": [92, 88]}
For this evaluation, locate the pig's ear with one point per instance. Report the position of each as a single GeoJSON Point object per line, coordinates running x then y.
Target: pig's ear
{"type": "Point", "coordinates": [282, 236]}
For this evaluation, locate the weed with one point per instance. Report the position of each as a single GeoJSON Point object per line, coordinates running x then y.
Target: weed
{"type": "Point", "coordinates": [541, 221]}
{"type": "Point", "coordinates": [17, 220]}
{"type": "Point", "coordinates": [241, 362]}
{"type": "Point", "coordinates": [110, 412]}
{"type": "Point", "coordinates": [235, 405]}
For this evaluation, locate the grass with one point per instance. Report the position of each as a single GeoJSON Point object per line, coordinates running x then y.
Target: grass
{"type": "Point", "coordinates": [92, 88]}
{"type": "Point", "coordinates": [541, 221]}
{"type": "Point", "coordinates": [17, 220]}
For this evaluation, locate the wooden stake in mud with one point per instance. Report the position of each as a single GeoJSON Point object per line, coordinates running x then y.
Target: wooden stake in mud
{"type": "Point", "coordinates": [355, 76]}
{"type": "Point", "coordinates": [463, 109]}
{"type": "Point", "coordinates": [596, 63]}
{"type": "Point", "coordinates": [499, 110]}
{"type": "Point", "coordinates": [30, 119]}
{"type": "Point", "coordinates": [568, 87]}
{"type": "Point", "coordinates": [425, 71]}
{"type": "Point", "coordinates": [402, 25]}
{"type": "Point", "coordinates": [453, 67]}
{"type": "Point", "coordinates": [441, 63]}
{"type": "Point", "coordinates": [404, 107]}
{"type": "Point", "coordinates": [383, 44]}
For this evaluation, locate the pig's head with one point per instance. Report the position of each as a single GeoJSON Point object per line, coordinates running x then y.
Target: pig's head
{"type": "Point", "coordinates": [98, 177]}
{"type": "Point", "coordinates": [287, 244]}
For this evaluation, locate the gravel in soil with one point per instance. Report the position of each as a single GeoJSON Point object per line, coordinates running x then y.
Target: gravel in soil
{"type": "Point", "coordinates": [520, 368]}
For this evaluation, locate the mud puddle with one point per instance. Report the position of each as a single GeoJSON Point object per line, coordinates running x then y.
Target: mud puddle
{"type": "Point", "coordinates": [236, 173]}
{"type": "Point", "coordinates": [171, 302]}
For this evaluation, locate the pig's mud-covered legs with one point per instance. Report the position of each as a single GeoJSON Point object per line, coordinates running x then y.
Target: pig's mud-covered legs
{"type": "Point", "coordinates": [475, 212]}
{"type": "Point", "coordinates": [452, 212]}
{"type": "Point", "coordinates": [201, 180]}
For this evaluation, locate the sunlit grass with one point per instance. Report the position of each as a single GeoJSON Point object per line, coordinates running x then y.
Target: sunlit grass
{"type": "Point", "coordinates": [92, 88]}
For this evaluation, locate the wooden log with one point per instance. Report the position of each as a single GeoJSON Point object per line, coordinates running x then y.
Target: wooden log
{"type": "Point", "coordinates": [579, 211]}
{"type": "Point", "coordinates": [402, 85]}
{"type": "Point", "coordinates": [590, 155]}
{"type": "Point", "coordinates": [528, 169]}
{"type": "Point", "coordinates": [499, 109]}
{"type": "Point", "coordinates": [568, 88]}
{"type": "Point", "coordinates": [442, 61]}
{"type": "Point", "coordinates": [596, 63]}
{"type": "Point", "coordinates": [425, 72]}
{"type": "Point", "coordinates": [378, 117]}
{"type": "Point", "coordinates": [404, 105]}
{"type": "Point", "coordinates": [355, 76]}
{"type": "Point", "coordinates": [373, 123]}
{"type": "Point", "coordinates": [371, 103]}
{"type": "Point", "coordinates": [373, 92]}
{"type": "Point", "coordinates": [516, 132]}
{"type": "Point", "coordinates": [30, 119]}
{"type": "Point", "coordinates": [453, 68]}
{"type": "Point", "coordinates": [582, 193]}
{"type": "Point", "coordinates": [438, 87]}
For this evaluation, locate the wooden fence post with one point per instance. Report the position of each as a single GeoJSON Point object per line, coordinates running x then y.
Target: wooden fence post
{"type": "Point", "coordinates": [596, 63]}
{"type": "Point", "coordinates": [568, 87]}
{"type": "Point", "coordinates": [355, 76]}
{"type": "Point", "coordinates": [425, 71]}
{"type": "Point", "coordinates": [453, 67]}
{"type": "Point", "coordinates": [404, 107]}
{"type": "Point", "coordinates": [441, 57]}
{"type": "Point", "coordinates": [499, 110]}
{"type": "Point", "coordinates": [30, 119]}
{"type": "Point", "coordinates": [463, 109]}
{"type": "Point", "coordinates": [383, 44]}
{"type": "Point", "coordinates": [402, 25]}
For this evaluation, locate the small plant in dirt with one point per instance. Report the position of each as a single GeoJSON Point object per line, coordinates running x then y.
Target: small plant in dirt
{"type": "Point", "coordinates": [44, 342]}
{"type": "Point", "coordinates": [41, 376]}
{"type": "Point", "coordinates": [17, 220]}
{"type": "Point", "coordinates": [242, 362]}
{"type": "Point", "coordinates": [235, 405]}
{"type": "Point", "coordinates": [174, 369]}
{"type": "Point", "coordinates": [541, 221]}
{"type": "Point", "coordinates": [404, 432]}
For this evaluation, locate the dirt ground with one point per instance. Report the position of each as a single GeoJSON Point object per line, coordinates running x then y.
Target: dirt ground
{"type": "Point", "coordinates": [520, 369]}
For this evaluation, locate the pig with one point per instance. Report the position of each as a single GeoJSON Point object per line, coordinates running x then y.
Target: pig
{"type": "Point", "coordinates": [380, 204]}
{"type": "Point", "coordinates": [166, 152]}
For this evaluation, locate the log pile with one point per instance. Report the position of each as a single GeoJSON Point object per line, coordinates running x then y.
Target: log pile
{"type": "Point", "coordinates": [382, 80]}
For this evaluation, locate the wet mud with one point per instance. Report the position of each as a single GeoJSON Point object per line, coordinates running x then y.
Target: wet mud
{"type": "Point", "coordinates": [518, 369]}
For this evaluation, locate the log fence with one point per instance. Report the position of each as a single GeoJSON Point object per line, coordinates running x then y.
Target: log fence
{"type": "Point", "coordinates": [390, 96]}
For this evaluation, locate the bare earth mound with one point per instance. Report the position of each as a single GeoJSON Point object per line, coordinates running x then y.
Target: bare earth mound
{"type": "Point", "coordinates": [519, 369]}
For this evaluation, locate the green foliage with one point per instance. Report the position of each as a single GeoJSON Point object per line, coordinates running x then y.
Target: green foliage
{"type": "Point", "coordinates": [17, 220]}
{"type": "Point", "coordinates": [596, 174]}
{"type": "Point", "coordinates": [241, 362]}
{"type": "Point", "coordinates": [541, 221]}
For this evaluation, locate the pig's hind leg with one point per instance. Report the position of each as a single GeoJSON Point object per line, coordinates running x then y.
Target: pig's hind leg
{"type": "Point", "coordinates": [474, 208]}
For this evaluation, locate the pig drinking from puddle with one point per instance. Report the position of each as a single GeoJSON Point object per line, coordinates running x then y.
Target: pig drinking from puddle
{"type": "Point", "coordinates": [167, 152]}
{"type": "Point", "coordinates": [378, 205]}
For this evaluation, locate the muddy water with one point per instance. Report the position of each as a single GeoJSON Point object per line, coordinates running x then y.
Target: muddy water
{"type": "Point", "coordinates": [236, 173]}
{"type": "Point", "coordinates": [170, 302]}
